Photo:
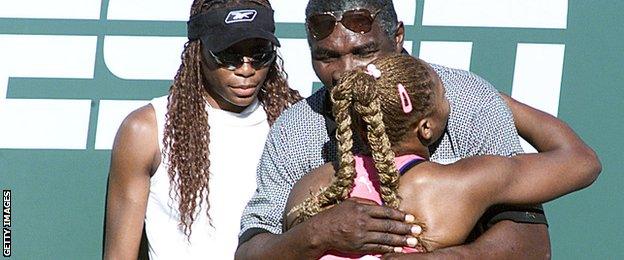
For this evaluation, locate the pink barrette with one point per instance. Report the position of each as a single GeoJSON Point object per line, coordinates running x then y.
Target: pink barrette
{"type": "Point", "coordinates": [406, 102]}
{"type": "Point", "coordinates": [372, 70]}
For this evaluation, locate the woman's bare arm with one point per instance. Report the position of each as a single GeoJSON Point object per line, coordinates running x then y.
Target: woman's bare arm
{"type": "Point", "coordinates": [135, 156]}
{"type": "Point", "coordinates": [564, 163]}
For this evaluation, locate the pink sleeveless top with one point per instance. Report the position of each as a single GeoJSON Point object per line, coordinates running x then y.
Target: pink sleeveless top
{"type": "Point", "coordinates": [366, 186]}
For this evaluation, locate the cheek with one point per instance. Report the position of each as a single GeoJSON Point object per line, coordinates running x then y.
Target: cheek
{"type": "Point", "coordinates": [261, 75]}
{"type": "Point", "coordinates": [323, 72]}
{"type": "Point", "coordinates": [216, 78]}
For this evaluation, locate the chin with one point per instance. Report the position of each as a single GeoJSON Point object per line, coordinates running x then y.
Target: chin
{"type": "Point", "coordinates": [243, 101]}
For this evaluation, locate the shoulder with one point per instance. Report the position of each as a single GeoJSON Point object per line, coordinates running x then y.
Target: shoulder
{"type": "Point", "coordinates": [316, 179]}
{"type": "Point", "coordinates": [431, 173]}
{"type": "Point", "coordinates": [465, 86]}
{"type": "Point", "coordinates": [135, 148]}
{"type": "Point", "coordinates": [458, 79]}
{"type": "Point", "coordinates": [141, 122]}
{"type": "Point", "coordinates": [301, 117]}
{"type": "Point", "coordinates": [137, 136]}
{"type": "Point", "coordinates": [310, 106]}
{"type": "Point", "coordinates": [485, 166]}
{"type": "Point", "coordinates": [472, 98]}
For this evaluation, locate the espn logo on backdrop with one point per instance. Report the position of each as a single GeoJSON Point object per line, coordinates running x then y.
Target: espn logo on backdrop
{"type": "Point", "coordinates": [72, 53]}
{"type": "Point", "coordinates": [6, 223]}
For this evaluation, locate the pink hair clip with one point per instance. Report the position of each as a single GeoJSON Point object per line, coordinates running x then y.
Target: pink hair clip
{"type": "Point", "coordinates": [372, 70]}
{"type": "Point", "coordinates": [406, 102]}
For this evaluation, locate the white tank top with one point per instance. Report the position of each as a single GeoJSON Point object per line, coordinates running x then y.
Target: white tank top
{"type": "Point", "coordinates": [236, 144]}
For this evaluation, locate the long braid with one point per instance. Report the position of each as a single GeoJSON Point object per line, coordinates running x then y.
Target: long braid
{"type": "Point", "coordinates": [368, 107]}
{"type": "Point", "coordinates": [187, 132]}
{"type": "Point", "coordinates": [186, 135]}
{"type": "Point", "coordinates": [378, 104]}
{"type": "Point", "coordinates": [345, 175]}
{"type": "Point", "coordinates": [341, 97]}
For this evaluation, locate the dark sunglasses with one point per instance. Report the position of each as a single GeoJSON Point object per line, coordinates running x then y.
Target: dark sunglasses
{"type": "Point", "coordinates": [231, 61]}
{"type": "Point", "coordinates": [357, 20]}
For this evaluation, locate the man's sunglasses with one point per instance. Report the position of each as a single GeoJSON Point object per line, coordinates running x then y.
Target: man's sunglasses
{"type": "Point", "coordinates": [231, 61]}
{"type": "Point", "coordinates": [322, 25]}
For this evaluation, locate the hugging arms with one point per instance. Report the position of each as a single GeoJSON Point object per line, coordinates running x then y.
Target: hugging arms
{"type": "Point", "coordinates": [357, 226]}
{"type": "Point", "coordinates": [448, 199]}
{"type": "Point", "coordinates": [303, 138]}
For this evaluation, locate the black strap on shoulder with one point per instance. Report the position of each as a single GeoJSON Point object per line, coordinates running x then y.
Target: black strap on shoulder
{"type": "Point", "coordinates": [525, 214]}
{"type": "Point", "coordinates": [406, 167]}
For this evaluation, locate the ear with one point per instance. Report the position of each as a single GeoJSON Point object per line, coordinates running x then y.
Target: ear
{"type": "Point", "coordinates": [399, 37]}
{"type": "Point", "coordinates": [425, 131]}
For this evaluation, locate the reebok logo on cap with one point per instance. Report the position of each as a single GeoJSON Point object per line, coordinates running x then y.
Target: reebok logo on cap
{"type": "Point", "coordinates": [241, 16]}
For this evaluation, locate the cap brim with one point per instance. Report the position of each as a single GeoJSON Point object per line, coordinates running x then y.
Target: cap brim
{"type": "Point", "coordinates": [217, 44]}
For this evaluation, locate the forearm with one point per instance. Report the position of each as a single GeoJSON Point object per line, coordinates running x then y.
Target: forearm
{"type": "Point", "coordinates": [522, 179]}
{"type": "Point", "coordinates": [288, 245]}
{"type": "Point", "coordinates": [570, 155]}
{"type": "Point", "coordinates": [526, 178]}
{"type": "Point", "coordinates": [563, 165]}
{"type": "Point", "coordinates": [538, 178]}
{"type": "Point", "coordinates": [505, 240]}
{"type": "Point", "coordinates": [123, 232]}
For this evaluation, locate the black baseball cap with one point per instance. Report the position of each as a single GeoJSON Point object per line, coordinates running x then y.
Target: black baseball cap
{"type": "Point", "coordinates": [220, 28]}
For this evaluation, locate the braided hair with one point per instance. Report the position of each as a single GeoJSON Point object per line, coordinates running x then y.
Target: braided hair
{"type": "Point", "coordinates": [360, 97]}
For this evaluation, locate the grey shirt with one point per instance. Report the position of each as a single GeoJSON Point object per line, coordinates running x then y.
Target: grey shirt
{"type": "Point", "coordinates": [480, 123]}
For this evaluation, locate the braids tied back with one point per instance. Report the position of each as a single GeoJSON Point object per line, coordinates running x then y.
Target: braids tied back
{"type": "Point", "coordinates": [377, 103]}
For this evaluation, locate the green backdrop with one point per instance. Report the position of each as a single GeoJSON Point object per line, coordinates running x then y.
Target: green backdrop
{"type": "Point", "coordinates": [58, 194]}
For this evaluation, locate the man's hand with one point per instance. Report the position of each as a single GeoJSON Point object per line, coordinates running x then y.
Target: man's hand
{"type": "Point", "coordinates": [504, 240]}
{"type": "Point", "coordinates": [355, 225]}
{"type": "Point", "coordinates": [361, 226]}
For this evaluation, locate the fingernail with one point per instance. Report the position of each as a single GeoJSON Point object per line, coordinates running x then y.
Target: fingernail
{"type": "Point", "coordinates": [409, 218]}
{"type": "Point", "coordinates": [416, 229]}
{"type": "Point", "coordinates": [398, 249]}
{"type": "Point", "coordinates": [412, 242]}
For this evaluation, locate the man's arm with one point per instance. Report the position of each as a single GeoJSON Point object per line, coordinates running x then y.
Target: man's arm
{"type": "Point", "coordinates": [260, 236]}
{"type": "Point", "coordinates": [505, 240]}
{"type": "Point", "coordinates": [354, 225]}
{"type": "Point", "coordinates": [508, 240]}
{"type": "Point", "coordinates": [347, 227]}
